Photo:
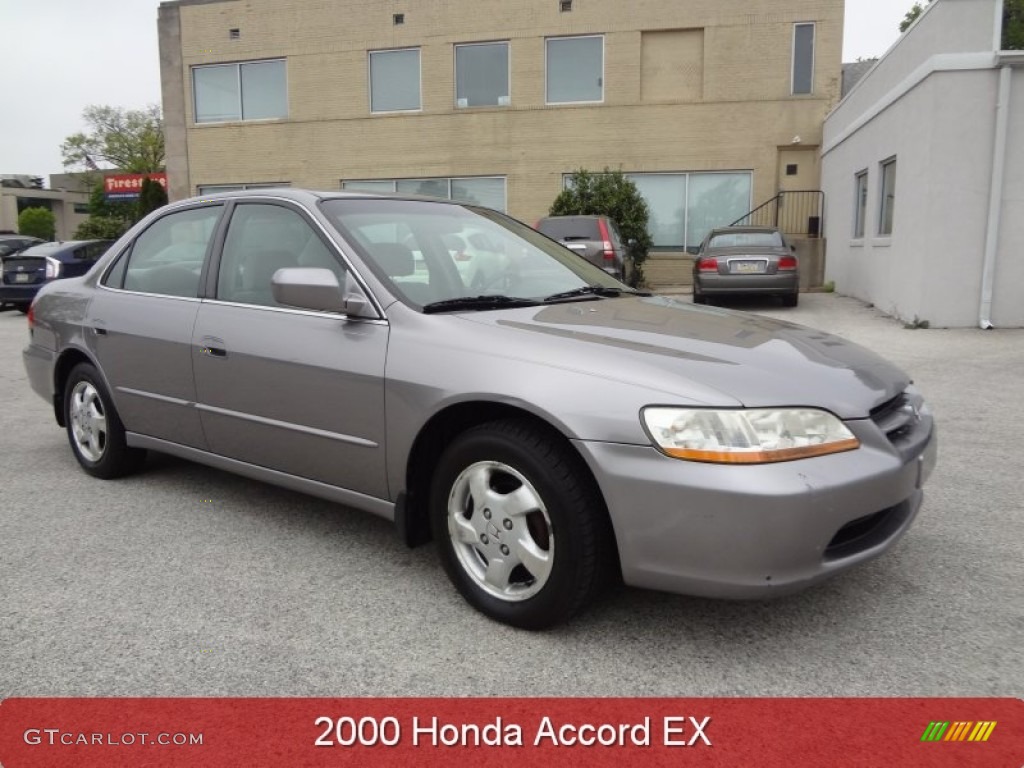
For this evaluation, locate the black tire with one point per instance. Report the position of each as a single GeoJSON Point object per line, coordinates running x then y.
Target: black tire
{"type": "Point", "coordinates": [98, 443]}
{"type": "Point", "coordinates": [23, 308]}
{"type": "Point", "coordinates": [569, 529]}
{"type": "Point", "coordinates": [699, 298]}
{"type": "Point", "coordinates": [791, 299]}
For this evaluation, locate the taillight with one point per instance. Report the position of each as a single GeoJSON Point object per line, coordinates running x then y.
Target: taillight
{"type": "Point", "coordinates": [53, 268]}
{"type": "Point", "coordinates": [708, 264]}
{"type": "Point", "coordinates": [609, 252]}
{"type": "Point", "coordinates": [787, 263]}
{"type": "Point", "coordinates": [31, 315]}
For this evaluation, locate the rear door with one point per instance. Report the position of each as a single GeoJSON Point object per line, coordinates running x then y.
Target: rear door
{"type": "Point", "coordinates": [291, 390]}
{"type": "Point", "coordinates": [141, 322]}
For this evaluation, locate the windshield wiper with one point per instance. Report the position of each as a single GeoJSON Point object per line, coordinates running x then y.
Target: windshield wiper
{"type": "Point", "coordinates": [593, 290]}
{"type": "Point", "coordinates": [478, 303]}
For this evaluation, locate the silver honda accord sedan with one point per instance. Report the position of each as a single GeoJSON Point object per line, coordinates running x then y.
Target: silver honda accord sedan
{"type": "Point", "coordinates": [551, 429]}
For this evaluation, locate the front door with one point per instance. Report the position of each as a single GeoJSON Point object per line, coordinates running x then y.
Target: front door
{"type": "Point", "coordinates": [291, 390]}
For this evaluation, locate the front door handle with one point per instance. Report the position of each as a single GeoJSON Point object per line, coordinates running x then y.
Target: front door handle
{"type": "Point", "coordinates": [211, 346]}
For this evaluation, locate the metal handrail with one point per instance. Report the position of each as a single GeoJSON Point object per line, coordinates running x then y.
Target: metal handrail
{"type": "Point", "coordinates": [794, 212]}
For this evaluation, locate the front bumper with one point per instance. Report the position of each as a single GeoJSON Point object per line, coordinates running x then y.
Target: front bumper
{"type": "Point", "coordinates": [763, 530]}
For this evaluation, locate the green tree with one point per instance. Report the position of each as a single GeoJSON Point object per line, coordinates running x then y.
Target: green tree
{"type": "Point", "coordinates": [131, 141]}
{"type": "Point", "coordinates": [107, 220]}
{"type": "Point", "coordinates": [1013, 25]}
{"type": "Point", "coordinates": [610, 193]}
{"type": "Point", "coordinates": [37, 222]}
{"type": "Point", "coordinates": [151, 196]}
{"type": "Point", "coordinates": [916, 10]}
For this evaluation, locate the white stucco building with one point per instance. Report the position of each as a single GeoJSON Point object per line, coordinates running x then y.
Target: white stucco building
{"type": "Point", "coordinates": [923, 172]}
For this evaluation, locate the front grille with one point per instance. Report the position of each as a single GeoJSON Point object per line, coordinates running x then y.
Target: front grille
{"type": "Point", "coordinates": [896, 417]}
{"type": "Point", "coordinates": [866, 532]}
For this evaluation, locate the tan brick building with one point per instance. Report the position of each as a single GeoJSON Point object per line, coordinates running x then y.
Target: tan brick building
{"type": "Point", "coordinates": [711, 106]}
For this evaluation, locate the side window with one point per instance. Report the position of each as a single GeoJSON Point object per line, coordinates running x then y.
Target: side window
{"type": "Point", "coordinates": [168, 257]}
{"type": "Point", "coordinates": [262, 239]}
{"type": "Point", "coordinates": [93, 251]}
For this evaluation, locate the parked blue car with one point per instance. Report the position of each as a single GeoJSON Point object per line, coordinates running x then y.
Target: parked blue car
{"type": "Point", "coordinates": [22, 274]}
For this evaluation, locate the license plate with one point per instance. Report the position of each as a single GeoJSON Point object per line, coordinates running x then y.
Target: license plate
{"type": "Point", "coordinates": [22, 277]}
{"type": "Point", "coordinates": [747, 267]}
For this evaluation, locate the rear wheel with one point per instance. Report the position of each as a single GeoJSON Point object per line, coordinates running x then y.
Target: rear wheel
{"type": "Point", "coordinates": [791, 299]}
{"type": "Point", "coordinates": [94, 428]}
{"type": "Point", "coordinates": [23, 308]}
{"type": "Point", "coordinates": [522, 532]}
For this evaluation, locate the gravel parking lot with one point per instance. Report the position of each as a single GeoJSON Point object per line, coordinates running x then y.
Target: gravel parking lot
{"type": "Point", "coordinates": [189, 581]}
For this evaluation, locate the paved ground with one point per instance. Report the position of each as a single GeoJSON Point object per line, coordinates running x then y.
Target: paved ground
{"type": "Point", "coordinates": [189, 581]}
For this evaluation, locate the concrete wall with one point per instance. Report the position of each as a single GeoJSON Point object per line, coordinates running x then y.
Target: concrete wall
{"type": "Point", "coordinates": [734, 111]}
{"type": "Point", "coordinates": [931, 104]}
{"type": "Point", "coordinates": [62, 204]}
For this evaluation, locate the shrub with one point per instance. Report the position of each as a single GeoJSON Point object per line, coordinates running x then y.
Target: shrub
{"type": "Point", "coordinates": [610, 193]}
{"type": "Point", "coordinates": [37, 222]}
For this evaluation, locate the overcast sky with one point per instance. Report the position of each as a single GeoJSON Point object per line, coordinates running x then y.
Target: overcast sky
{"type": "Point", "coordinates": [59, 56]}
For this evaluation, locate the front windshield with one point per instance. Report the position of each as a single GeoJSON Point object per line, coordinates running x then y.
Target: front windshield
{"type": "Point", "coordinates": [429, 252]}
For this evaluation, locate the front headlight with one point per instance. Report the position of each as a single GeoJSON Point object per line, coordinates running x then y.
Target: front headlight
{"type": "Point", "coordinates": [748, 435]}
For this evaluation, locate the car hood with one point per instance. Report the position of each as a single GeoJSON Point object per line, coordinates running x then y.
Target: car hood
{"type": "Point", "coordinates": [716, 356]}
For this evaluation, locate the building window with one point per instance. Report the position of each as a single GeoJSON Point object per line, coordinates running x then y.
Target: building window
{"type": "Point", "coordinates": [888, 196]}
{"type": "Point", "coordinates": [803, 58]}
{"type": "Point", "coordinates": [488, 191]}
{"type": "Point", "coordinates": [254, 90]}
{"type": "Point", "coordinates": [575, 69]}
{"type": "Point", "coordinates": [395, 80]}
{"type": "Point", "coordinates": [860, 202]}
{"type": "Point", "coordinates": [481, 75]}
{"type": "Point", "coordinates": [209, 189]}
{"type": "Point", "coordinates": [684, 207]}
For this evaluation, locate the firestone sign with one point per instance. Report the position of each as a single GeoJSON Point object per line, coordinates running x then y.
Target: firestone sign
{"type": "Point", "coordinates": [127, 186]}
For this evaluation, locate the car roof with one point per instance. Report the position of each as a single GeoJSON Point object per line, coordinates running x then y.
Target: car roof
{"type": "Point", "coordinates": [744, 228]}
{"type": "Point", "coordinates": [59, 245]}
{"type": "Point", "coordinates": [307, 196]}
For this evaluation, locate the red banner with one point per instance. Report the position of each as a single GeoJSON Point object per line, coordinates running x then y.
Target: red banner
{"type": "Point", "coordinates": [127, 186]}
{"type": "Point", "coordinates": [492, 731]}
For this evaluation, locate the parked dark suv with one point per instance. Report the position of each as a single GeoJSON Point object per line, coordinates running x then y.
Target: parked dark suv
{"type": "Point", "coordinates": [22, 274]}
{"type": "Point", "coordinates": [595, 238]}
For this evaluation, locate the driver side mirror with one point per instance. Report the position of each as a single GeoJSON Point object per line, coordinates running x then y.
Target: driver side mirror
{"type": "Point", "coordinates": [318, 289]}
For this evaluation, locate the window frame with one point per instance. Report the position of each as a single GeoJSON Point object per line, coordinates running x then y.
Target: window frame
{"type": "Point", "coordinates": [449, 179]}
{"type": "Point", "coordinates": [238, 80]}
{"type": "Point", "coordinates": [125, 254]}
{"type": "Point", "coordinates": [205, 189]}
{"type": "Point", "coordinates": [860, 203]}
{"type": "Point", "coordinates": [686, 177]}
{"type": "Point", "coordinates": [547, 63]}
{"type": "Point", "coordinates": [792, 58]}
{"type": "Point", "coordinates": [508, 73]}
{"type": "Point", "coordinates": [883, 167]}
{"type": "Point", "coordinates": [369, 80]}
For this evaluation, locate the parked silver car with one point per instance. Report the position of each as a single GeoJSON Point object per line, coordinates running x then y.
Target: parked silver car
{"type": "Point", "coordinates": [746, 260]}
{"type": "Point", "coordinates": [551, 430]}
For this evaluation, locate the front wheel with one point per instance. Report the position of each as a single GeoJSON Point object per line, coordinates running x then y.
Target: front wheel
{"type": "Point", "coordinates": [94, 429]}
{"type": "Point", "coordinates": [523, 533]}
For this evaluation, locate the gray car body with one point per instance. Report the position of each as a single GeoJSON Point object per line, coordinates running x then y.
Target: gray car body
{"type": "Point", "coordinates": [343, 406]}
